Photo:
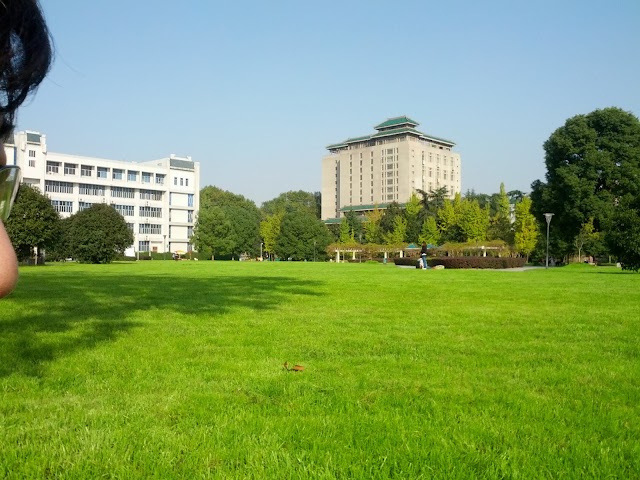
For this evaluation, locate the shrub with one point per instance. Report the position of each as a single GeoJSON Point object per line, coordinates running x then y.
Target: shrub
{"type": "Point", "coordinates": [478, 262]}
{"type": "Point", "coordinates": [407, 261]}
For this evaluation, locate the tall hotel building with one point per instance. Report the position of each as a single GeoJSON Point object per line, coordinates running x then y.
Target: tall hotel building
{"type": "Point", "coordinates": [362, 173]}
{"type": "Point", "coordinates": [159, 199]}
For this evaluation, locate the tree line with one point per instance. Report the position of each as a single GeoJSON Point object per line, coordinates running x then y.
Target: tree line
{"type": "Point", "coordinates": [592, 187]}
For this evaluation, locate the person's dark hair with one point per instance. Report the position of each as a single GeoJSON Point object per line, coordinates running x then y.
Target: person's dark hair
{"type": "Point", "coordinates": [25, 56]}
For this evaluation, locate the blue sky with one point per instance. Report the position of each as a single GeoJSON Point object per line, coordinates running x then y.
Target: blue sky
{"type": "Point", "coordinates": [256, 90]}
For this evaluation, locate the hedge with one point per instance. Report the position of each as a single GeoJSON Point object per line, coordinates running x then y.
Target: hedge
{"type": "Point", "coordinates": [467, 262]}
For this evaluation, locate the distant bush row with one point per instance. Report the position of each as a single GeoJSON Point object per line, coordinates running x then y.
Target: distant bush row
{"type": "Point", "coordinates": [467, 262]}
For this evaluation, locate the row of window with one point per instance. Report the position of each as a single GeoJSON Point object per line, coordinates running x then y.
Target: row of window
{"type": "Point", "coordinates": [64, 206]}
{"type": "Point", "coordinates": [103, 172]}
{"type": "Point", "coordinates": [184, 182]}
{"type": "Point", "coordinates": [53, 186]}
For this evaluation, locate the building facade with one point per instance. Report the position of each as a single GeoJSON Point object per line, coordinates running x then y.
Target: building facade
{"type": "Point", "coordinates": [158, 199]}
{"type": "Point", "coordinates": [362, 173]}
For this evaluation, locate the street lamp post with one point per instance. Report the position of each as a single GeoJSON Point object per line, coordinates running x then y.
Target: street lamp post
{"type": "Point", "coordinates": [164, 247]}
{"type": "Point", "coordinates": [548, 216]}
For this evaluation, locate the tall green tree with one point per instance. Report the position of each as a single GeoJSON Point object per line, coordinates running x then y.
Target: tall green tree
{"type": "Point", "coordinates": [623, 232]}
{"type": "Point", "coordinates": [212, 232]}
{"type": "Point", "coordinates": [310, 201]}
{"type": "Point", "coordinates": [399, 232]}
{"type": "Point", "coordinates": [448, 219]}
{"type": "Point", "coordinates": [585, 238]}
{"type": "Point", "coordinates": [355, 225]}
{"type": "Point", "coordinates": [429, 232]}
{"type": "Point", "coordinates": [526, 229]}
{"type": "Point", "coordinates": [242, 214]}
{"type": "Point", "coordinates": [387, 222]}
{"type": "Point", "coordinates": [501, 227]}
{"type": "Point", "coordinates": [98, 234]}
{"type": "Point", "coordinates": [346, 233]}
{"type": "Point", "coordinates": [372, 229]}
{"type": "Point", "coordinates": [473, 221]}
{"type": "Point", "coordinates": [302, 235]}
{"type": "Point", "coordinates": [433, 200]}
{"type": "Point", "coordinates": [412, 209]}
{"type": "Point", "coordinates": [34, 225]}
{"type": "Point", "coordinates": [269, 231]}
{"type": "Point", "coordinates": [593, 162]}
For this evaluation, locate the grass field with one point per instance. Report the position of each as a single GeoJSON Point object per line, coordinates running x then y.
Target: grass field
{"type": "Point", "coordinates": [174, 370]}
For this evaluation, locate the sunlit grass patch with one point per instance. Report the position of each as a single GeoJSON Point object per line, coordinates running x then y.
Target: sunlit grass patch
{"type": "Point", "coordinates": [175, 370]}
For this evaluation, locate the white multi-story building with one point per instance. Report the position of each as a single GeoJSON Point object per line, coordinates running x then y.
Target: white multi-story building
{"type": "Point", "coordinates": [159, 199]}
{"type": "Point", "coordinates": [363, 173]}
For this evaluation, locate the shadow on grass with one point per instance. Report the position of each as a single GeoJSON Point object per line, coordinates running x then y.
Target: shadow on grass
{"type": "Point", "coordinates": [48, 317]}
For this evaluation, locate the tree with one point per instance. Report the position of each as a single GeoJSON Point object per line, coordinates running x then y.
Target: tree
{"type": "Point", "coordinates": [212, 232]}
{"type": "Point", "coordinates": [34, 225]}
{"type": "Point", "coordinates": [473, 221]}
{"type": "Point", "coordinates": [593, 162]}
{"type": "Point", "coordinates": [387, 222]}
{"type": "Point", "coordinates": [412, 210]}
{"type": "Point", "coordinates": [98, 234]}
{"type": "Point", "coordinates": [526, 228]}
{"type": "Point", "coordinates": [269, 231]}
{"type": "Point", "coordinates": [354, 223]}
{"type": "Point", "coordinates": [623, 234]}
{"type": "Point", "coordinates": [448, 222]}
{"type": "Point", "coordinates": [585, 237]}
{"type": "Point", "coordinates": [372, 230]}
{"type": "Point", "coordinates": [308, 200]}
{"type": "Point", "coordinates": [501, 228]}
{"type": "Point", "coordinates": [429, 232]}
{"type": "Point", "coordinates": [399, 232]}
{"type": "Point", "coordinates": [301, 235]}
{"type": "Point", "coordinates": [346, 234]}
{"type": "Point", "coordinates": [433, 200]}
{"type": "Point", "coordinates": [242, 214]}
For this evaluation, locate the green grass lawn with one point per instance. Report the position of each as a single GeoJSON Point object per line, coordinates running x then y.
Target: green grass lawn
{"type": "Point", "coordinates": [174, 370]}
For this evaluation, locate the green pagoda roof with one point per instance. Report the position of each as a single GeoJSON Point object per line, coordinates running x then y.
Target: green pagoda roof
{"type": "Point", "coordinates": [393, 126]}
{"type": "Point", "coordinates": [396, 122]}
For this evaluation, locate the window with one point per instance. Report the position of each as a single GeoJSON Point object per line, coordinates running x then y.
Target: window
{"type": "Point", "coordinates": [143, 246]}
{"type": "Point", "coordinates": [124, 210]}
{"type": "Point", "coordinates": [32, 153]}
{"type": "Point", "coordinates": [181, 181]}
{"type": "Point", "coordinates": [189, 232]}
{"type": "Point", "coordinates": [132, 176]}
{"type": "Point", "coordinates": [190, 200]}
{"type": "Point", "coordinates": [62, 206]}
{"type": "Point", "coordinates": [86, 171]}
{"type": "Point", "coordinates": [146, 177]}
{"type": "Point", "coordinates": [122, 192]}
{"type": "Point", "coordinates": [70, 168]}
{"type": "Point", "coordinates": [154, 212]}
{"type": "Point", "coordinates": [186, 182]}
{"type": "Point", "coordinates": [150, 195]}
{"type": "Point", "coordinates": [87, 189]}
{"type": "Point", "coordinates": [130, 227]}
{"type": "Point", "coordinates": [190, 216]}
{"type": "Point", "coordinates": [159, 179]}
{"type": "Point", "coordinates": [53, 167]}
{"type": "Point", "coordinates": [32, 162]}
{"type": "Point", "coordinates": [175, 180]}
{"type": "Point", "coordinates": [58, 187]}
{"type": "Point", "coordinates": [150, 228]}
{"type": "Point", "coordinates": [103, 172]}
{"type": "Point", "coordinates": [83, 206]}
{"type": "Point", "coordinates": [117, 174]}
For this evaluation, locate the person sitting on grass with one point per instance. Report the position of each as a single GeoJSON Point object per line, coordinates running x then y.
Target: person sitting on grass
{"type": "Point", "coordinates": [25, 58]}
